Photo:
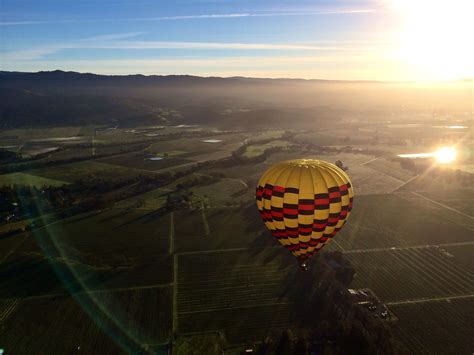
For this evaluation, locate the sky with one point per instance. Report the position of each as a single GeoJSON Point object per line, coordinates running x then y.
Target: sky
{"type": "Point", "coordinates": [390, 40]}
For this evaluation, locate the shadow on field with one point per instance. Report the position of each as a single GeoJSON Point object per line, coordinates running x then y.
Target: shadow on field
{"type": "Point", "coordinates": [115, 215]}
{"type": "Point", "coordinates": [148, 217]}
{"type": "Point", "coordinates": [33, 274]}
{"type": "Point", "coordinates": [81, 217]}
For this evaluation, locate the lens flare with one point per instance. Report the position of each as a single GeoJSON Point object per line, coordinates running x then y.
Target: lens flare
{"type": "Point", "coordinates": [445, 155]}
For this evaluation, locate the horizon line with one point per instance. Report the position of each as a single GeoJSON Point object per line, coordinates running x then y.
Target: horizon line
{"type": "Point", "coordinates": [243, 77]}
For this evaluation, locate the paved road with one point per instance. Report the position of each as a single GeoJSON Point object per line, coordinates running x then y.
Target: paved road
{"type": "Point", "coordinates": [443, 205]}
{"type": "Point", "coordinates": [357, 251]}
{"type": "Point", "coordinates": [354, 251]}
{"type": "Point", "coordinates": [434, 299]}
{"type": "Point", "coordinates": [369, 161]}
{"type": "Point", "coordinates": [405, 183]}
{"type": "Point", "coordinates": [175, 293]}
{"type": "Point", "coordinates": [171, 234]}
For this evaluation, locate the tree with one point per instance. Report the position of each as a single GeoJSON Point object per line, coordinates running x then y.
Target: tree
{"type": "Point", "coordinates": [301, 347]}
{"type": "Point", "coordinates": [284, 346]}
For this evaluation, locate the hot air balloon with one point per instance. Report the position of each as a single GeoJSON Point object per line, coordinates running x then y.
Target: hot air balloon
{"type": "Point", "coordinates": [304, 203]}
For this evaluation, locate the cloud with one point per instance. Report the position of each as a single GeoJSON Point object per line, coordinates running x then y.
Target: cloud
{"type": "Point", "coordinates": [114, 36]}
{"type": "Point", "coordinates": [213, 45]}
{"type": "Point", "coordinates": [117, 41]}
{"type": "Point", "coordinates": [200, 16]}
{"type": "Point", "coordinates": [17, 23]}
{"type": "Point", "coordinates": [31, 54]}
{"type": "Point", "coordinates": [41, 51]}
{"type": "Point", "coordinates": [269, 14]}
{"type": "Point", "coordinates": [190, 17]}
{"type": "Point", "coordinates": [20, 23]}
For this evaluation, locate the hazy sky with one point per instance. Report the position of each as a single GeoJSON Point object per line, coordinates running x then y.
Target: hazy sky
{"type": "Point", "coordinates": [337, 39]}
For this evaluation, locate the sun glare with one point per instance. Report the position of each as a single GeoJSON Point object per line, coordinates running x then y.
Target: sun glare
{"type": "Point", "coordinates": [435, 37]}
{"type": "Point", "coordinates": [445, 155]}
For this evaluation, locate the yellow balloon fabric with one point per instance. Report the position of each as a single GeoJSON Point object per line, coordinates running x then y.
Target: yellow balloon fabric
{"type": "Point", "coordinates": [304, 203]}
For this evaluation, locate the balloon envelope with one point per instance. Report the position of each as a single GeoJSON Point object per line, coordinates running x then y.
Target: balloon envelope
{"type": "Point", "coordinates": [304, 203]}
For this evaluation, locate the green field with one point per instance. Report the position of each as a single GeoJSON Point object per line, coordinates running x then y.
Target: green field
{"type": "Point", "coordinates": [40, 133]}
{"type": "Point", "coordinates": [140, 161]}
{"type": "Point", "coordinates": [30, 179]}
{"type": "Point", "coordinates": [229, 142]}
{"type": "Point", "coordinates": [70, 153]}
{"type": "Point", "coordinates": [213, 155]}
{"type": "Point", "coordinates": [255, 150]}
{"type": "Point", "coordinates": [99, 149]}
{"type": "Point", "coordinates": [87, 170]}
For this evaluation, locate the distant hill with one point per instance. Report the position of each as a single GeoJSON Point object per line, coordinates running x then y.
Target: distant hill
{"type": "Point", "coordinates": [70, 98]}
{"type": "Point", "coordinates": [27, 108]}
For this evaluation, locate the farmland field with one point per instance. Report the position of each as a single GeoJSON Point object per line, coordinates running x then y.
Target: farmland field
{"type": "Point", "coordinates": [411, 273]}
{"type": "Point", "coordinates": [212, 155]}
{"type": "Point", "coordinates": [116, 232]}
{"type": "Point", "coordinates": [40, 133]}
{"type": "Point", "coordinates": [70, 153]}
{"type": "Point", "coordinates": [102, 322]}
{"type": "Point", "coordinates": [226, 142]}
{"type": "Point", "coordinates": [249, 173]}
{"type": "Point", "coordinates": [134, 273]}
{"type": "Point", "coordinates": [462, 254]}
{"type": "Point", "coordinates": [365, 179]}
{"type": "Point", "coordinates": [87, 170]}
{"type": "Point", "coordinates": [151, 200]}
{"type": "Point", "coordinates": [141, 161]}
{"type": "Point", "coordinates": [30, 180]}
{"type": "Point", "coordinates": [441, 327]}
{"type": "Point", "coordinates": [228, 228]}
{"type": "Point", "coordinates": [244, 294]}
{"type": "Point", "coordinates": [225, 192]}
{"type": "Point", "coordinates": [460, 199]}
{"type": "Point", "coordinates": [390, 168]}
{"type": "Point", "coordinates": [96, 251]}
{"type": "Point", "coordinates": [9, 243]}
{"type": "Point", "coordinates": [390, 224]}
{"type": "Point", "coordinates": [97, 149]}
{"type": "Point", "coordinates": [254, 150]}
{"type": "Point", "coordinates": [354, 162]}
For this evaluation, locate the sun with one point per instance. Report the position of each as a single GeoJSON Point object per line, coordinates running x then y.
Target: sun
{"type": "Point", "coordinates": [435, 37]}
{"type": "Point", "coordinates": [445, 155]}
